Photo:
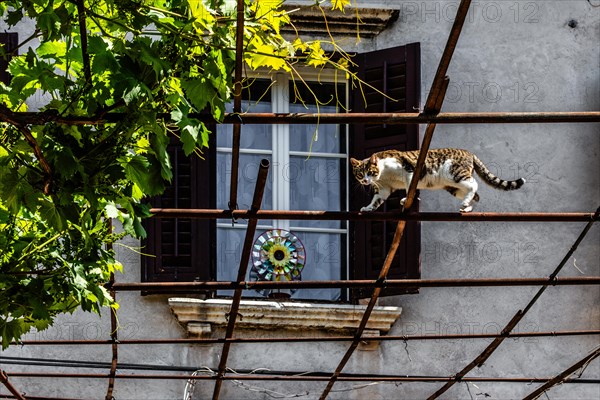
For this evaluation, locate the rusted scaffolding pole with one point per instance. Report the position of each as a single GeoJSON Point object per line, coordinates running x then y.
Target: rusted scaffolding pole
{"type": "Point", "coordinates": [433, 106]}
{"type": "Point", "coordinates": [113, 334]}
{"type": "Point", "coordinates": [258, 192]}
{"type": "Point", "coordinates": [481, 359]}
{"type": "Point", "coordinates": [353, 284]}
{"type": "Point", "coordinates": [9, 386]}
{"type": "Point", "coordinates": [114, 348]}
{"type": "Point", "coordinates": [560, 378]}
{"type": "Point", "coordinates": [373, 216]}
{"type": "Point", "coordinates": [311, 339]}
{"type": "Point", "coordinates": [237, 104]}
{"type": "Point", "coordinates": [512, 117]}
{"type": "Point", "coordinates": [259, 189]}
{"type": "Point", "coordinates": [418, 118]}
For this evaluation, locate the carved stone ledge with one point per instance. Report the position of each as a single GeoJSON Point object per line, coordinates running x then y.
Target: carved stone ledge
{"type": "Point", "coordinates": [308, 20]}
{"type": "Point", "coordinates": [201, 317]}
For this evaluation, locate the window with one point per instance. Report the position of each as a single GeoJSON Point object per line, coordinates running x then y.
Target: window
{"type": "Point", "coordinates": [305, 174]}
{"type": "Point", "coordinates": [308, 172]}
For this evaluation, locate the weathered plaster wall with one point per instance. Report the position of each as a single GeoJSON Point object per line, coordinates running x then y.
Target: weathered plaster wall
{"type": "Point", "coordinates": [512, 56]}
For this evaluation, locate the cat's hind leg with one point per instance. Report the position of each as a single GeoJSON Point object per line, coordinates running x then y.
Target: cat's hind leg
{"type": "Point", "coordinates": [468, 191]}
{"type": "Point", "coordinates": [457, 193]}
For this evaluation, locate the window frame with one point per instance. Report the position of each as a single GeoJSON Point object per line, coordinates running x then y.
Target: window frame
{"type": "Point", "coordinates": [281, 155]}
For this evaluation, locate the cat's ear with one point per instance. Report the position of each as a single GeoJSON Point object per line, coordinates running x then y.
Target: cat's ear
{"type": "Point", "coordinates": [354, 162]}
{"type": "Point", "coordinates": [374, 159]}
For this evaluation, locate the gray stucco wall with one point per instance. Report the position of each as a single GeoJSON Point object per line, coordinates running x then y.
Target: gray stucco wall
{"type": "Point", "coordinates": [512, 56]}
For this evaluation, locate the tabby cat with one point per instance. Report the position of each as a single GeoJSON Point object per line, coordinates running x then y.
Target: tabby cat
{"type": "Point", "coordinates": [448, 169]}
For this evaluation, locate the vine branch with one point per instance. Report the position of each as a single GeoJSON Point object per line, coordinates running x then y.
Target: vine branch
{"type": "Point", "coordinates": [8, 116]}
{"type": "Point", "coordinates": [87, 71]}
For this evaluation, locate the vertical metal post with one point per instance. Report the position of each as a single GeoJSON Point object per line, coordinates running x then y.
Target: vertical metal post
{"type": "Point", "coordinates": [247, 249]}
{"type": "Point", "coordinates": [237, 105]}
{"type": "Point", "coordinates": [113, 334]}
{"type": "Point", "coordinates": [432, 106]}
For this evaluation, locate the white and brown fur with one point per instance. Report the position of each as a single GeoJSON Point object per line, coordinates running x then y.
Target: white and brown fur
{"type": "Point", "coordinates": [448, 169]}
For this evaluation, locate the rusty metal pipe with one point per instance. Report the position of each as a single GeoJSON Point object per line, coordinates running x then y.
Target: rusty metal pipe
{"type": "Point", "coordinates": [113, 333]}
{"type": "Point", "coordinates": [259, 189]}
{"type": "Point", "coordinates": [237, 104]}
{"type": "Point", "coordinates": [318, 339]}
{"type": "Point", "coordinates": [374, 216]}
{"type": "Point", "coordinates": [415, 118]}
{"type": "Point", "coordinates": [41, 118]}
{"type": "Point", "coordinates": [433, 106]}
{"type": "Point", "coordinates": [4, 380]}
{"type": "Point", "coordinates": [391, 283]}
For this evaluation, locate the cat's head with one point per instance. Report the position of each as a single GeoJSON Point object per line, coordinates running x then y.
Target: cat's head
{"type": "Point", "coordinates": [365, 171]}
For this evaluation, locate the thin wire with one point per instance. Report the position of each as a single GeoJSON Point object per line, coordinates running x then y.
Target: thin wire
{"type": "Point", "coordinates": [587, 364]}
{"type": "Point", "coordinates": [469, 390]}
{"type": "Point", "coordinates": [190, 384]}
{"type": "Point", "coordinates": [268, 392]}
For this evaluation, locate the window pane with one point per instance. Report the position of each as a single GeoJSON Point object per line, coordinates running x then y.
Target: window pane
{"type": "Point", "coordinates": [324, 261]}
{"type": "Point", "coordinates": [306, 137]}
{"type": "Point", "coordinates": [330, 137]}
{"type": "Point", "coordinates": [248, 172]}
{"type": "Point", "coordinates": [229, 253]}
{"type": "Point", "coordinates": [256, 98]}
{"type": "Point", "coordinates": [316, 184]}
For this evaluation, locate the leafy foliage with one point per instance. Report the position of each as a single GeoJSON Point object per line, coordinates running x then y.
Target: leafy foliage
{"type": "Point", "coordinates": [60, 183]}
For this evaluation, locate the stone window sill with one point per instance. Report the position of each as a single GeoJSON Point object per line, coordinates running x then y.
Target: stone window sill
{"type": "Point", "coordinates": [202, 317]}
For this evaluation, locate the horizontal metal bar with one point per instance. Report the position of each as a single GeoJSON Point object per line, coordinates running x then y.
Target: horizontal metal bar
{"type": "Point", "coordinates": [309, 378]}
{"type": "Point", "coordinates": [396, 283]}
{"type": "Point", "coordinates": [414, 118]}
{"type": "Point", "coordinates": [386, 338]}
{"type": "Point", "coordinates": [40, 118]}
{"type": "Point", "coordinates": [372, 216]}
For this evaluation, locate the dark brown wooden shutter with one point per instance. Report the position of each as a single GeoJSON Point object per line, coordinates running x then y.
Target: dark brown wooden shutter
{"type": "Point", "coordinates": [395, 72]}
{"type": "Point", "coordinates": [184, 248]}
{"type": "Point", "coordinates": [9, 41]}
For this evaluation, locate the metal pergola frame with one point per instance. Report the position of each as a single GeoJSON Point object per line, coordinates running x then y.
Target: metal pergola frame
{"type": "Point", "coordinates": [431, 116]}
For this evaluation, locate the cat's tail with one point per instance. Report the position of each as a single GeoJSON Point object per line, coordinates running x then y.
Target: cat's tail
{"type": "Point", "coordinates": [492, 179]}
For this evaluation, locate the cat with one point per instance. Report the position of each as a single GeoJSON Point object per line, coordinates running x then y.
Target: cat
{"type": "Point", "coordinates": [448, 169]}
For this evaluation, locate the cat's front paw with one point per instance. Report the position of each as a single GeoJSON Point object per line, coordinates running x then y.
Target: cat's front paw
{"type": "Point", "coordinates": [366, 209]}
{"type": "Point", "coordinates": [466, 209]}
{"type": "Point", "coordinates": [404, 201]}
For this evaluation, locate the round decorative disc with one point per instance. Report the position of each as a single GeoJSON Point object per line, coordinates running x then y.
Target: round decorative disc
{"type": "Point", "coordinates": [277, 255]}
